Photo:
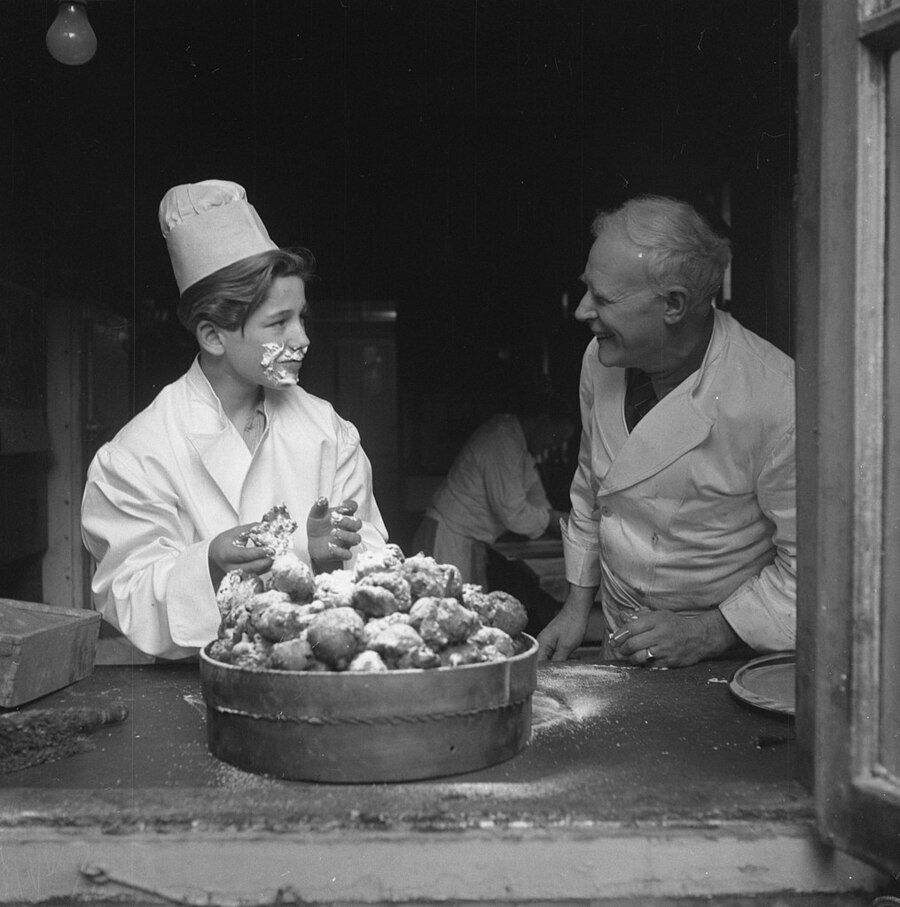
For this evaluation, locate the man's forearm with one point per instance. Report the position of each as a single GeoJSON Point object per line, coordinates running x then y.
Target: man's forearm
{"type": "Point", "coordinates": [580, 599]}
{"type": "Point", "coordinates": [716, 636]}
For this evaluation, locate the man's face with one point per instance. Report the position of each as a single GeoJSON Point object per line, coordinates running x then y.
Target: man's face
{"type": "Point", "coordinates": [623, 311]}
{"type": "Point", "coordinates": [271, 348]}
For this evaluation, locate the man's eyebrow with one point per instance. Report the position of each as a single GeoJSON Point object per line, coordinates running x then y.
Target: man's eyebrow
{"type": "Point", "coordinates": [595, 293]}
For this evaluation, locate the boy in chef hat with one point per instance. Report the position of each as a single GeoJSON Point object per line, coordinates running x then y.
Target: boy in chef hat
{"type": "Point", "coordinates": [170, 500]}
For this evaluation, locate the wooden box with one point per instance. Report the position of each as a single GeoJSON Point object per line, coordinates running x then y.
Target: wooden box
{"type": "Point", "coordinates": [43, 649]}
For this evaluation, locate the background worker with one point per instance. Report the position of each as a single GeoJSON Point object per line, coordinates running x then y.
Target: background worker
{"type": "Point", "coordinates": [494, 487]}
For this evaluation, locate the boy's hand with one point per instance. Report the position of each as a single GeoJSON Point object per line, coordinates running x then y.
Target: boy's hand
{"type": "Point", "coordinates": [227, 553]}
{"type": "Point", "coordinates": [331, 532]}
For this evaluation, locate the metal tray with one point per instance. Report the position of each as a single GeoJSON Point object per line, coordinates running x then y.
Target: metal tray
{"type": "Point", "coordinates": [767, 682]}
{"type": "Point", "coordinates": [343, 727]}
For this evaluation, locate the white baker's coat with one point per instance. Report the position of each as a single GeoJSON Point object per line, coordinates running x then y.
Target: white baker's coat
{"type": "Point", "coordinates": [695, 509]}
{"type": "Point", "coordinates": [179, 474]}
{"type": "Point", "coordinates": [492, 487]}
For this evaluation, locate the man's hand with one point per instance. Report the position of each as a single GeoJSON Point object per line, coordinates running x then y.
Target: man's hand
{"type": "Point", "coordinates": [566, 631]}
{"type": "Point", "coordinates": [331, 533]}
{"type": "Point", "coordinates": [667, 639]}
{"type": "Point", "coordinates": [224, 555]}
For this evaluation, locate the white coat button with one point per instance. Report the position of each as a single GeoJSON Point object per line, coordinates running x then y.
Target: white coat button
{"type": "Point", "coordinates": [606, 510]}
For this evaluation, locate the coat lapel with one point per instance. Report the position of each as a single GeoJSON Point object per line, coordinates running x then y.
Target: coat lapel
{"type": "Point", "coordinates": [227, 459]}
{"type": "Point", "coordinates": [222, 452]}
{"type": "Point", "coordinates": [677, 424]}
{"type": "Point", "coordinates": [670, 429]}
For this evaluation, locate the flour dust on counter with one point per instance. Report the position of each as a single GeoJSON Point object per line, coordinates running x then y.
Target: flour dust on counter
{"type": "Point", "coordinates": [490, 791]}
{"type": "Point", "coordinates": [230, 778]}
{"type": "Point", "coordinates": [566, 699]}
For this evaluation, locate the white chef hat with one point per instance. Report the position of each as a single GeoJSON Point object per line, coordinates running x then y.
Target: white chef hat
{"type": "Point", "coordinates": [207, 226]}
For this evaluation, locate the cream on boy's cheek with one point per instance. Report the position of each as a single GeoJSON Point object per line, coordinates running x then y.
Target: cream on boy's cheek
{"type": "Point", "coordinates": [273, 358]}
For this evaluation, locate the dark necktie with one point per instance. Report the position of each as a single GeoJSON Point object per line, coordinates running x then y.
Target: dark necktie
{"type": "Point", "coordinates": [640, 397]}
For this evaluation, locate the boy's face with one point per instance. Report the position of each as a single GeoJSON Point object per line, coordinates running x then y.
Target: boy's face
{"type": "Point", "coordinates": [271, 348]}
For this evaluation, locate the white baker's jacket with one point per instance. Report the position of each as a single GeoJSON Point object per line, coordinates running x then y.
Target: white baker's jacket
{"type": "Point", "coordinates": [178, 474]}
{"type": "Point", "coordinates": [493, 485]}
{"type": "Point", "coordinates": [695, 509]}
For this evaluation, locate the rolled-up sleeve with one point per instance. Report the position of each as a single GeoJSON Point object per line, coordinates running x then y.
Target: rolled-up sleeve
{"type": "Point", "coordinates": [509, 475]}
{"type": "Point", "coordinates": [763, 611]}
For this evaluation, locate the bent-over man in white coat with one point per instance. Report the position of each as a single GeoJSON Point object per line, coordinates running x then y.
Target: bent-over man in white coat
{"type": "Point", "coordinates": [493, 486]}
{"type": "Point", "coordinates": [167, 498]}
{"type": "Point", "coordinates": [683, 504]}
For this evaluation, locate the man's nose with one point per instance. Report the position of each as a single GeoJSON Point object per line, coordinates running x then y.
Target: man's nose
{"type": "Point", "coordinates": [585, 310]}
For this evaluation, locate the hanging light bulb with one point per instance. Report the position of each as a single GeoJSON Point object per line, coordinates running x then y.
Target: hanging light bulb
{"type": "Point", "coordinates": [70, 39]}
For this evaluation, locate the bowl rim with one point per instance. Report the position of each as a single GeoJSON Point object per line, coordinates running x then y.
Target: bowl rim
{"type": "Point", "coordinates": [529, 650]}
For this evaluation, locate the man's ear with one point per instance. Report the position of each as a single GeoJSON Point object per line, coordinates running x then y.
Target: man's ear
{"type": "Point", "coordinates": [677, 304]}
{"type": "Point", "coordinates": [209, 336]}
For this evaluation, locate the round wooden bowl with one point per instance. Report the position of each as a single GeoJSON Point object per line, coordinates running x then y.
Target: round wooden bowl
{"type": "Point", "coordinates": [344, 727]}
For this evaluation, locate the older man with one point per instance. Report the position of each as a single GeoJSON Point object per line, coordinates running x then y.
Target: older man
{"type": "Point", "coordinates": [683, 503]}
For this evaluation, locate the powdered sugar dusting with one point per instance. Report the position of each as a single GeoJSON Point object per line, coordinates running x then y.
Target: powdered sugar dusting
{"type": "Point", "coordinates": [233, 779]}
{"type": "Point", "coordinates": [474, 790]}
{"type": "Point", "coordinates": [569, 697]}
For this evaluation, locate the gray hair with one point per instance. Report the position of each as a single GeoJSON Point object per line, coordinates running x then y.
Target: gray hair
{"type": "Point", "coordinates": [678, 244]}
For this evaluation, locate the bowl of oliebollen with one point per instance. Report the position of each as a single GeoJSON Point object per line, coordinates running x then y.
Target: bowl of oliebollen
{"type": "Point", "coordinates": [393, 670]}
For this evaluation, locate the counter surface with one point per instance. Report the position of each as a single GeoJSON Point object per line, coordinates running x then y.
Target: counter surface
{"type": "Point", "coordinates": [610, 743]}
{"type": "Point", "coordinates": [638, 787]}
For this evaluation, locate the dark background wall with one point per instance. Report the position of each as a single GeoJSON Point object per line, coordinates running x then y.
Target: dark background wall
{"type": "Point", "coordinates": [440, 157]}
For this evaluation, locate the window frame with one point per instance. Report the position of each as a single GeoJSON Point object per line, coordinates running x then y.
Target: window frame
{"type": "Point", "coordinates": [847, 505]}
